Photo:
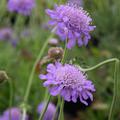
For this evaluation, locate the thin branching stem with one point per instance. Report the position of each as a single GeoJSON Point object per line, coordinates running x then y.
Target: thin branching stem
{"type": "Point", "coordinates": [116, 72]}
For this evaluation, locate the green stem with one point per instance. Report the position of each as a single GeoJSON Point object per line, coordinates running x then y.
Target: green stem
{"type": "Point", "coordinates": [11, 92]}
{"type": "Point", "coordinates": [61, 110]}
{"type": "Point", "coordinates": [33, 69]}
{"type": "Point", "coordinates": [45, 108]}
{"type": "Point", "coordinates": [58, 104]}
{"type": "Point", "coordinates": [24, 114]}
{"type": "Point", "coordinates": [98, 65]}
{"type": "Point", "coordinates": [11, 96]}
{"type": "Point", "coordinates": [30, 80]}
{"type": "Point", "coordinates": [117, 65]}
{"type": "Point", "coordinates": [115, 81]}
{"type": "Point", "coordinates": [65, 49]}
{"type": "Point", "coordinates": [61, 114]}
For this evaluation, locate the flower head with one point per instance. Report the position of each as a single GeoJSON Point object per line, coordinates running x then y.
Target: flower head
{"type": "Point", "coordinates": [68, 81]}
{"type": "Point", "coordinates": [6, 33]}
{"type": "Point", "coordinates": [72, 23]}
{"type": "Point", "coordinates": [21, 6]}
{"type": "Point", "coordinates": [50, 112]}
{"type": "Point", "coordinates": [15, 114]}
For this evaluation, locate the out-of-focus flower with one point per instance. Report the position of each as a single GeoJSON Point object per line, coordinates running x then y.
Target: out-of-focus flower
{"type": "Point", "coordinates": [26, 33]}
{"type": "Point", "coordinates": [50, 112]}
{"type": "Point", "coordinates": [21, 6]}
{"type": "Point", "coordinates": [14, 113]}
{"type": "Point", "coordinates": [68, 81]}
{"type": "Point", "coordinates": [7, 34]}
{"type": "Point", "coordinates": [71, 23]}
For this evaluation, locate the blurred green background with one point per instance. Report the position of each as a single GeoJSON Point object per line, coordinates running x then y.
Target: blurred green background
{"type": "Point", "coordinates": [18, 61]}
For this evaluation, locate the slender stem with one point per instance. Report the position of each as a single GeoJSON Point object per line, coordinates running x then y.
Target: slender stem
{"type": "Point", "coordinates": [61, 110]}
{"type": "Point", "coordinates": [98, 65]}
{"type": "Point", "coordinates": [62, 102]}
{"type": "Point", "coordinates": [117, 65]}
{"type": "Point", "coordinates": [30, 80]}
{"type": "Point", "coordinates": [65, 49]}
{"type": "Point", "coordinates": [11, 96]}
{"type": "Point", "coordinates": [24, 114]}
{"type": "Point", "coordinates": [33, 69]}
{"type": "Point", "coordinates": [58, 104]}
{"type": "Point", "coordinates": [45, 108]}
{"type": "Point", "coordinates": [116, 72]}
{"type": "Point", "coordinates": [11, 92]}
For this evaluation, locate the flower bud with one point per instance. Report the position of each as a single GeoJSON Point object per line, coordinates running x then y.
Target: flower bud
{"type": "Point", "coordinates": [53, 42]}
{"type": "Point", "coordinates": [3, 76]}
{"type": "Point", "coordinates": [55, 53]}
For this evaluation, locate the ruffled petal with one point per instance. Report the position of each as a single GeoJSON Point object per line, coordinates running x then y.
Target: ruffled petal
{"type": "Point", "coordinates": [74, 96]}
{"type": "Point", "coordinates": [55, 90]}
{"type": "Point", "coordinates": [71, 43]}
{"type": "Point", "coordinates": [66, 94]}
{"type": "Point", "coordinates": [82, 100]}
{"type": "Point", "coordinates": [43, 77]}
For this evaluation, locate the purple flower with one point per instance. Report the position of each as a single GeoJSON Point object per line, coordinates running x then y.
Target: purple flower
{"type": "Point", "coordinates": [6, 33]}
{"type": "Point", "coordinates": [15, 114]}
{"type": "Point", "coordinates": [50, 112]}
{"type": "Point", "coordinates": [72, 23]}
{"type": "Point", "coordinates": [68, 81]}
{"type": "Point", "coordinates": [21, 6]}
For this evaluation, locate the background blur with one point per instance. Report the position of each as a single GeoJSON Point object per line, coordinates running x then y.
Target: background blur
{"type": "Point", "coordinates": [18, 54]}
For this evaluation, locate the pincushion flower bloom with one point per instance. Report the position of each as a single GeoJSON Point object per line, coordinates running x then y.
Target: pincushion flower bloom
{"type": "Point", "coordinates": [21, 6]}
{"type": "Point", "coordinates": [50, 112]}
{"type": "Point", "coordinates": [69, 82]}
{"type": "Point", "coordinates": [15, 114]}
{"type": "Point", "coordinates": [71, 23]}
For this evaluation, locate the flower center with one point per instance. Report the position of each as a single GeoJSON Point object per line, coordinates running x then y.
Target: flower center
{"type": "Point", "coordinates": [69, 76]}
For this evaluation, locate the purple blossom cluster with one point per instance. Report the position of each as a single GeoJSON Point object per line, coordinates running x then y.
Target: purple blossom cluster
{"type": "Point", "coordinates": [12, 114]}
{"type": "Point", "coordinates": [50, 112]}
{"type": "Point", "coordinates": [69, 82]}
{"type": "Point", "coordinates": [21, 6]}
{"type": "Point", "coordinates": [71, 23]}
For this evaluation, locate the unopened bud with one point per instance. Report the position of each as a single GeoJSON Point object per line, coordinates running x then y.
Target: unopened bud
{"type": "Point", "coordinates": [3, 76]}
{"type": "Point", "coordinates": [55, 53]}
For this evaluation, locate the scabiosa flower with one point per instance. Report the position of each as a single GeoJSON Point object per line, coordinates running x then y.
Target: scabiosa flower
{"type": "Point", "coordinates": [68, 81]}
{"type": "Point", "coordinates": [21, 6]}
{"type": "Point", "coordinates": [72, 23]}
{"type": "Point", "coordinates": [15, 114]}
{"type": "Point", "coordinates": [50, 112]}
